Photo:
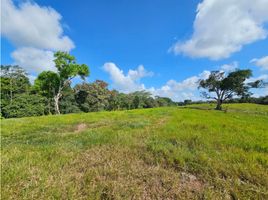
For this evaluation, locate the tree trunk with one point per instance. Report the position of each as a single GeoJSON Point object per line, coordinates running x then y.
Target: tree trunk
{"type": "Point", "coordinates": [56, 99]}
{"type": "Point", "coordinates": [219, 102]}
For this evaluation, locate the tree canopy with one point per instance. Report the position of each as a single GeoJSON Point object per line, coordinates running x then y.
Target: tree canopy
{"type": "Point", "coordinates": [226, 86]}
{"type": "Point", "coordinates": [55, 82]}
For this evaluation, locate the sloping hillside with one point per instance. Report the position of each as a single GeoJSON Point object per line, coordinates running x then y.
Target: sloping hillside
{"type": "Point", "coordinates": [162, 153]}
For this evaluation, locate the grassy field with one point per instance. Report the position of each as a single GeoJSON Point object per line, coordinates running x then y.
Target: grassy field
{"type": "Point", "coordinates": [191, 152]}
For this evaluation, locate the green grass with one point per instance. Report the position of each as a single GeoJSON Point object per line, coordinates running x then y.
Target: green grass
{"type": "Point", "coordinates": [191, 152]}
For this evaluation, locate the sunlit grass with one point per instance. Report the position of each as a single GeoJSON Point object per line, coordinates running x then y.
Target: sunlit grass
{"type": "Point", "coordinates": [175, 153]}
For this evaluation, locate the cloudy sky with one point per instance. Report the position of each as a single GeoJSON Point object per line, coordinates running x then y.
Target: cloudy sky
{"type": "Point", "coordinates": [163, 46]}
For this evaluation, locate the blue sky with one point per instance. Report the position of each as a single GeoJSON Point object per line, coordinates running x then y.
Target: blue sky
{"type": "Point", "coordinates": [160, 46]}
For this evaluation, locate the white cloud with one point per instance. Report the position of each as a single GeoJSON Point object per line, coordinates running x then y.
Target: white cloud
{"type": "Point", "coordinates": [260, 92]}
{"type": "Point", "coordinates": [229, 67]}
{"type": "Point", "coordinates": [263, 77]}
{"type": "Point", "coordinates": [36, 32]}
{"type": "Point", "coordinates": [261, 62]}
{"type": "Point", "coordinates": [30, 25]}
{"type": "Point", "coordinates": [222, 27]}
{"type": "Point", "coordinates": [129, 82]}
{"type": "Point", "coordinates": [34, 60]}
{"type": "Point", "coordinates": [139, 73]}
{"type": "Point", "coordinates": [177, 91]}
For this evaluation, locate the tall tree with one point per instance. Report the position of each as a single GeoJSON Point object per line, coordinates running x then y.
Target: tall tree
{"type": "Point", "coordinates": [114, 100]}
{"type": "Point", "coordinates": [92, 96]}
{"type": "Point", "coordinates": [68, 102]}
{"type": "Point", "coordinates": [139, 98]}
{"type": "Point", "coordinates": [56, 82]}
{"type": "Point", "coordinates": [164, 101]}
{"type": "Point", "coordinates": [46, 84]}
{"type": "Point", "coordinates": [14, 81]}
{"type": "Point", "coordinates": [225, 86]}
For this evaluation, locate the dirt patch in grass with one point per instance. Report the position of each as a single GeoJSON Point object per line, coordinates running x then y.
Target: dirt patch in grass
{"type": "Point", "coordinates": [190, 182]}
{"type": "Point", "coordinates": [80, 127]}
{"type": "Point", "coordinates": [118, 173]}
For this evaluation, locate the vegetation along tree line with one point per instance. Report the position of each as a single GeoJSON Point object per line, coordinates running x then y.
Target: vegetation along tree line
{"type": "Point", "coordinates": [52, 92]}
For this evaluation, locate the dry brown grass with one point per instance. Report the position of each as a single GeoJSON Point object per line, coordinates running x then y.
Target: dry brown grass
{"type": "Point", "coordinates": [110, 172]}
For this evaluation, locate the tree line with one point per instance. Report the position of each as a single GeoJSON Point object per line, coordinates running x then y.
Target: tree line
{"type": "Point", "coordinates": [52, 92]}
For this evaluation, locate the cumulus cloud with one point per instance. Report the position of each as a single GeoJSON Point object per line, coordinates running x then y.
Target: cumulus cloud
{"type": "Point", "coordinates": [261, 62]}
{"type": "Point", "coordinates": [34, 60]}
{"type": "Point", "coordinates": [179, 91]}
{"type": "Point", "coordinates": [263, 77]}
{"type": "Point", "coordinates": [229, 67]}
{"type": "Point", "coordinates": [222, 27]}
{"type": "Point", "coordinates": [126, 82]}
{"type": "Point", "coordinates": [33, 26]}
{"type": "Point", "coordinates": [176, 90]}
{"type": "Point", "coordinates": [130, 82]}
{"type": "Point", "coordinates": [260, 92]}
{"type": "Point", "coordinates": [36, 31]}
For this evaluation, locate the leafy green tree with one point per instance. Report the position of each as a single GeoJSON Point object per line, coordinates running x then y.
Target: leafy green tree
{"type": "Point", "coordinates": [150, 103]}
{"type": "Point", "coordinates": [55, 82]}
{"type": "Point", "coordinates": [14, 81]}
{"type": "Point", "coordinates": [125, 101]}
{"type": "Point", "coordinates": [139, 98]}
{"type": "Point", "coordinates": [24, 105]}
{"type": "Point", "coordinates": [114, 100]}
{"type": "Point", "coordinates": [187, 101]}
{"type": "Point", "coordinates": [93, 97]}
{"type": "Point", "coordinates": [164, 101]}
{"type": "Point", "coordinates": [226, 86]}
{"type": "Point", "coordinates": [46, 84]}
{"type": "Point", "coordinates": [68, 102]}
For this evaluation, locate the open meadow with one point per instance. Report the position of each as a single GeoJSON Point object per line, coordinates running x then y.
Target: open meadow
{"type": "Point", "coordinates": [191, 152]}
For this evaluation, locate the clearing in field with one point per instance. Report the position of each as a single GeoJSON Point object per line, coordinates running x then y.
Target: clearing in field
{"type": "Point", "coordinates": [161, 153]}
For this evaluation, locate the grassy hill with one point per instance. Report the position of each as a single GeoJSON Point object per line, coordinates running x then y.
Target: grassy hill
{"type": "Point", "coordinates": [161, 153]}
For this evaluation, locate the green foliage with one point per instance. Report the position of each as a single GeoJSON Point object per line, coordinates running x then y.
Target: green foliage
{"type": "Point", "coordinates": [68, 102]}
{"type": "Point", "coordinates": [13, 81]}
{"type": "Point", "coordinates": [47, 83]}
{"type": "Point", "coordinates": [68, 68]}
{"type": "Point", "coordinates": [114, 100]}
{"type": "Point", "coordinates": [125, 101]}
{"type": "Point", "coordinates": [50, 83]}
{"type": "Point", "coordinates": [226, 86]}
{"type": "Point", "coordinates": [164, 101]}
{"type": "Point", "coordinates": [139, 98]}
{"type": "Point", "coordinates": [92, 97]}
{"type": "Point", "coordinates": [24, 105]}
